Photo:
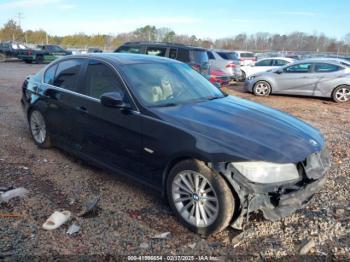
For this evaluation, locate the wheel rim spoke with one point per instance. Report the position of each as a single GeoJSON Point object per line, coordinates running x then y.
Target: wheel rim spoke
{"type": "Point", "coordinates": [38, 127]}
{"type": "Point", "coordinates": [194, 198]}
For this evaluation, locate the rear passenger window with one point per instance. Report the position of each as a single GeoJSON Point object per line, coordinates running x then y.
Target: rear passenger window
{"type": "Point", "coordinates": [129, 49]}
{"type": "Point", "coordinates": [210, 55]}
{"type": "Point", "coordinates": [49, 76]}
{"type": "Point", "coordinates": [324, 68]}
{"type": "Point", "coordinates": [279, 62]}
{"type": "Point", "coordinates": [183, 55]}
{"type": "Point", "coordinates": [100, 79]}
{"type": "Point", "coordinates": [157, 51]}
{"type": "Point", "coordinates": [173, 53]}
{"type": "Point", "coordinates": [264, 63]}
{"type": "Point", "coordinates": [67, 74]}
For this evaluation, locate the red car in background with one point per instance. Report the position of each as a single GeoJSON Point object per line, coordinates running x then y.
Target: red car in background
{"type": "Point", "coordinates": [218, 76]}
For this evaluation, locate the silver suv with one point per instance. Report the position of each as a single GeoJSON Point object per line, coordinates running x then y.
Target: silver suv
{"type": "Point", "coordinates": [225, 61]}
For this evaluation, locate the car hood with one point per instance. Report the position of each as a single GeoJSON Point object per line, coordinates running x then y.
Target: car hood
{"type": "Point", "coordinates": [247, 130]}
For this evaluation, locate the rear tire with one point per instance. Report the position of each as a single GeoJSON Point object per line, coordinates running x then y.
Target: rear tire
{"type": "Point", "coordinates": [38, 129]}
{"type": "Point", "coordinates": [2, 57]}
{"type": "Point", "coordinates": [262, 88]}
{"type": "Point", "coordinates": [28, 61]}
{"type": "Point", "coordinates": [341, 94]}
{"type": "Point", "coordinates": [200, 198]}
{"type": "Point", "coordinates": [39, 59]}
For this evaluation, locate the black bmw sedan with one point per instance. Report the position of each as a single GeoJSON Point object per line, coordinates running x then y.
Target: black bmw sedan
{"type": "Point", "coordinates": [216, 158]}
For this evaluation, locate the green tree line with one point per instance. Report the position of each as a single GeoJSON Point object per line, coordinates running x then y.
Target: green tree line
{"type": "Point", "coordinates": [261, 41]}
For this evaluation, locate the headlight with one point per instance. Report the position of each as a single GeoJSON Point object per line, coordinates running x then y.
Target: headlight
{"type": "Point", "coordinates": [251, 77]}
{"type": "Point", "coordinates": [267, 173]}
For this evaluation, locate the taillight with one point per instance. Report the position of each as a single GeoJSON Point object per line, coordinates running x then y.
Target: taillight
{"type": "Point", "coordinates": [230, 65]}
{"type": "Point", "coordinates": [196, 67]}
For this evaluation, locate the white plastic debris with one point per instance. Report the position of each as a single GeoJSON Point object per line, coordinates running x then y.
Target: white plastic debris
{"type": "Point", "coordinates": [17, 192]}
{"type": "Point", "coordinates": [144, 245]}
{"type": "Point", "coordinates": [73, 229]}
{"type": "Point", "coordinates": [162, 235]}
{"type": "Point", "coordinates": [307, 247]}
{"type": "Point", "coordinates": [56, 220]}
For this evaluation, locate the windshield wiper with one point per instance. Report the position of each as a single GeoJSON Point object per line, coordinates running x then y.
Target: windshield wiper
{"type": "Point", "coordinates": [165, 105]}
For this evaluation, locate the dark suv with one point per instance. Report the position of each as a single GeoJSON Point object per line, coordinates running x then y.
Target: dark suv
{"type": "Point", "coordinates": [196, 57]}
{"type": "Point", "coordinates": [11, 50]}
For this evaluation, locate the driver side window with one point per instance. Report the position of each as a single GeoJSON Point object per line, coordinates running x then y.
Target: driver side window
{"type": "Point", "coordinates": [299, 68]}
{"type": "Point", "coordinates": [100, 79]}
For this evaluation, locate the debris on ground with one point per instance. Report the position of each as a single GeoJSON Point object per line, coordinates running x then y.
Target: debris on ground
{"type": "Point", "coordinates": [57, 219]}
{"type": "Point", "coordinates": [74, 228]}
{"type": "Point", "coordinates": [164, 235]}
{"type": "Point", "coordinates": [91, 208]}
{"type": "Point", "coordinates": [17, 192]}
{"type": "Point", "coordinates": [144, 245]}
{"type": "Point", "coordinates": [192, 246]}
{"type": "Point", "coordinates": [5, 188]}
{"type": "Point", "coordinates": [307, 247]}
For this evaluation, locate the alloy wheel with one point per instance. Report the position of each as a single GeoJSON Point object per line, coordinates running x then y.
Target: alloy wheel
{"type": "Point", "coordinates": [262, 89]}
{"type": "Point", "coordinates": [343, 94]}
{"type": "Point", "coordinates": [195, 199]}
{"type": "Point", "coordinates": [38, 127]}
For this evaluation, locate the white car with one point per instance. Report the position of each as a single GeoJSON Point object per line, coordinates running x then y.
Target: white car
{"type": "Point", "coordinates": [264, 65]}
{"type": "Point", "coordinates": [245, 57]}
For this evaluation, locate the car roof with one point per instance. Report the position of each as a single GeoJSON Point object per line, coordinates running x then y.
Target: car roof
{"type": "Point", "coordinates": [278, 57]}
{"type": "Point", "coordinates": [322, 60]}
{"type": "Point", "coordinates": [163, 44]}
{"type": "Point", "coordinates": [221, 50]}
{"type": "Point", "coordinates": [339, 60]}
{"type": "Point", "coordinates": [124, 58]}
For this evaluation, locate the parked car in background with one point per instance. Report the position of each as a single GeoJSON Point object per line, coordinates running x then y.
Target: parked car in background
{"type": "Point", "coordinates": [264, 65]}
{"type": "Point", "coordinates": [94, 50]}
{"type": "Point", "coordinates": [330, 59]}
{"type": "Point", "coordinates": [219, 77]}
{"type": "Point", "coordinates": [245, 57]}
{"type": "Point", "coordinates": [226, 62]}
{"type": "Point", "coordinates": [43, 53]}
{"type": "Point", "coordinates": [11, 50]}
{"type": "Point", "coordinates": [215, 157]}
{"type": "Point", "coordinates": [307, 77]}
{"type": "Point", "coordinates": [196, 57]}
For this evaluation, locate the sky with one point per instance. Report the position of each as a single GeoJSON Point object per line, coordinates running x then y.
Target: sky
{"type": "Point", "coordinates": [204, 18]}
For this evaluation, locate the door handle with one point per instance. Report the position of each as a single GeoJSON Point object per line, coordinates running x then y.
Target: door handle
{"type": "Point", "coordinates": [82, 109]}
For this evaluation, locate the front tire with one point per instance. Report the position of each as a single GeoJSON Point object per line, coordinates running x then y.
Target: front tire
{"type": "Point", "coordinates": [262, 88]}
{"type": "Point", "coordinates": [38, 129]}
{"type": "Point", "coordinates": [242, 77]}
{"type": "Point", "coordinates": [200, 198]}
{"type": "Point", "coordinates": [341, 94]}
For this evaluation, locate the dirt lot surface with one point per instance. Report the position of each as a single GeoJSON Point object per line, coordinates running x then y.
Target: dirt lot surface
{"type": "Point", "coordinates": [130, 214]}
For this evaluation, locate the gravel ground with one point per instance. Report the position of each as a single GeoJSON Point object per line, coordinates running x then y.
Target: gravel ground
{"type": "Point", "coordinates": [130, 214]}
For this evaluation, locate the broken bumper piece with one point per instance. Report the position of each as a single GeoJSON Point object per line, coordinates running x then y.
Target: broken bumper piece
{"type": "Point", "coordinates": [278, 200]}
{"type": "Point", "coordinates": [286, 204]}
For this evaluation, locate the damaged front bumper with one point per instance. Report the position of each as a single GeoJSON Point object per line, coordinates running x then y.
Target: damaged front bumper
{"type": "Point", "coordinates": [277, 200]}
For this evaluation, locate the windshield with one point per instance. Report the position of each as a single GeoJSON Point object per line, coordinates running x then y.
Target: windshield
{"type": "Point", "coordinates": [228, 56]}
{"type": "Point", "coordinates": [247, 55]}
{"type": "Point", "coordinates": [169, 84]}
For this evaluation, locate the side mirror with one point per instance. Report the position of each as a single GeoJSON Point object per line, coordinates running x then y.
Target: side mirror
{"type": "Point", "coordinates": [113, 99]}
